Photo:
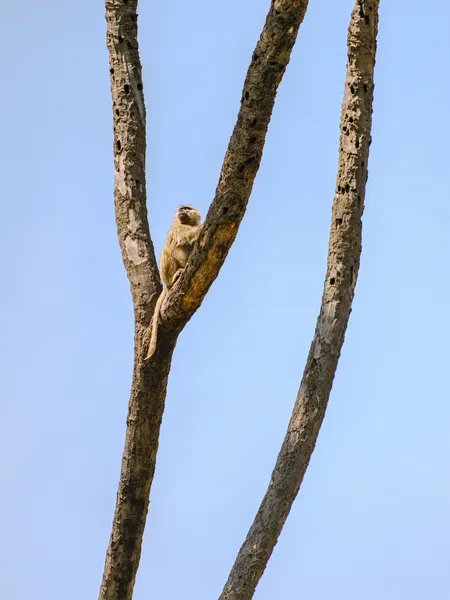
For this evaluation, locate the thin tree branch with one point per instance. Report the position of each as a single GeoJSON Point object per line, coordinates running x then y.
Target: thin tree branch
{"type": "Point", "coordinates": [240, 166]}
{"type": "Point", "coordinates": [130, 196]}
{"type": "Point", "coordinates": [342, 270]}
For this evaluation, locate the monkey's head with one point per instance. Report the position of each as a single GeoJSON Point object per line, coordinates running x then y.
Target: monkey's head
{"type": "Point", "coordinates": [188, 215]}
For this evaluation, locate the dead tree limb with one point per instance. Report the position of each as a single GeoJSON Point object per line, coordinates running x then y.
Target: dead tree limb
{"type": "Point", "coordinates": [343, 263]}
{"type": "Point", "coordinates": [269, 61]}
{"type": "Point", "coordinates": [240, 166]}
{"type": "Point", "coordinates": [149, 380]}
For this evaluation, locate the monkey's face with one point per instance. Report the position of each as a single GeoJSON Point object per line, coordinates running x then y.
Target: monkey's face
{"type": "Point", "coordinates": [187, 215]}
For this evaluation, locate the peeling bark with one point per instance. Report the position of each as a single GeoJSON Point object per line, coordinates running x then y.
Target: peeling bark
{"type": "Point", "coordinates": [342, 269]}
{"type": "Point", "coordinates": [239, 169]}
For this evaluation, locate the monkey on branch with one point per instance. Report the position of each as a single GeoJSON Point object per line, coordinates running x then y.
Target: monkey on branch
{"type": "Point", "coordinates": [174, 256]}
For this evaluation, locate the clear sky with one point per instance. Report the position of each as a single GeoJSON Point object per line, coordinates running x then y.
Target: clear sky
{"type": "Point", "coordinates": [372, 519]}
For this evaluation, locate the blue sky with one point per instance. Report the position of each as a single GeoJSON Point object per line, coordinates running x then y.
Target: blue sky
{"type": "Point", "coordinates": [372, 519]}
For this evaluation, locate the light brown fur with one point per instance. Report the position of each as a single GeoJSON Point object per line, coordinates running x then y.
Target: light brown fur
{"type": "Point", "coordinates": [174, 256]}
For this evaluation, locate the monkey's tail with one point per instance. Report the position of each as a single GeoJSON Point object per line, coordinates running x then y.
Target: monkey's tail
{"type": "Point", "coordinates": [154, 325]}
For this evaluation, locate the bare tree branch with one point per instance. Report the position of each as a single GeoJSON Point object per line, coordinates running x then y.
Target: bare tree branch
{"type": "Point", "coordinates": [149, 380]}
{"type": "Point", "coordinates": [241, 163]}
{"type": "Point", "coordinates": [240, 166]}
{"type": "Point", "coordinates": [129, 156]}
{"type": "Point", "coordinates": [342, 270]}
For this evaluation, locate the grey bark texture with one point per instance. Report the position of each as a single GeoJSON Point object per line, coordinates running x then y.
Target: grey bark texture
{"type": "Point", "coordinates": [343, 263]}
{"type": "Point", "coordinates": [149, 379]}
{"type": "Point", "coordinates": [241, 163]}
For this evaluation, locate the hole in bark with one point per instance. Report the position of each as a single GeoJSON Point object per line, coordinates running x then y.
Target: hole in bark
{"type": "Point", "coordinates": [252, 139]}
{"type": "Point", "coordinates": [339, 188]}
{"type": "Point", "coordinates": [338, 222]}
{"type": "Point", "coordinates": [117, 112]}
{"type": "Point", "coordinates": [247, 95]}
{"type": "Point", "coordinates": [275, 63]}
{"type": "Point", "coordinates": [118, 145]}
{"type": "Point", "coordinates": [111, 71]}
{"type": "Point", "coordinates": [332, 281]}
{"type": "Point", "coordinates": [129, 45]}
{"type": "Point", "coordinates": [241, 169]}
{"type": "Point", "coordinates": [365, 87]}
{"type": "Point", "coordinates": [125, 1]}
{"type": "Point", "coordinates": [140, 86]}
{"type": "Point", "coordinates": [253, 122]}
{"type": "Point", "coordinates": [347, 188]}
{"type": "Point", "coordinates": [346, 115]}
{"type": "Point", "coordinates": [352, 89]}
{"type": "Point", "coordinates": [357, 144]}
{"type": "Point", "coordinates": [359, 201]}
{"type": "Point", "coordinates": [351, 119]}
{"type": "Point", "coordinates": [362, 163]}
{"type": "Point", "coordinates": [120, 38]}
{"type": "Point", "coordinates": [126, 88]}
{"type": "Point", "coordinates": [366, 19]}
{"type": "Point", "coordinates": [347, 132]}
{"type": "Point", "coordinates": [370, 8]}
{"type": "Point", "coordinates": [225, 210]}
{"type": "Point", "coordinates": [344, 128]}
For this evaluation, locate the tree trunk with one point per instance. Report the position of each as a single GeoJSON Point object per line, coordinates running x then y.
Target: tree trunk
{"type": "Point", "coordinates": [240, 166]}
{"type": "Point", "coordinates": [149, 379]}
{"type": "Point", "coordinates": [343, 263]}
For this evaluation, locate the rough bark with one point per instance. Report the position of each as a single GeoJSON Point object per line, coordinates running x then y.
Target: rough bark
{"type": "Point", "coordinates": [342, 269]}
{"type": "Point", "coordinates": [149, 379]}
{"type": "Point", "coordinates": [240, 166]}
{"type": "Point", "coordinates": [241, 163]}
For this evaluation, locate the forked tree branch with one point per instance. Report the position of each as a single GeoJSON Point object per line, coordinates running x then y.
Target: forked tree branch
{"type": "Point", "coordinates": [240, 166]}
{"type": "Point", "coordinates": [343, 263]}
{"type": "Point", "coordinates": [269, 61]}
